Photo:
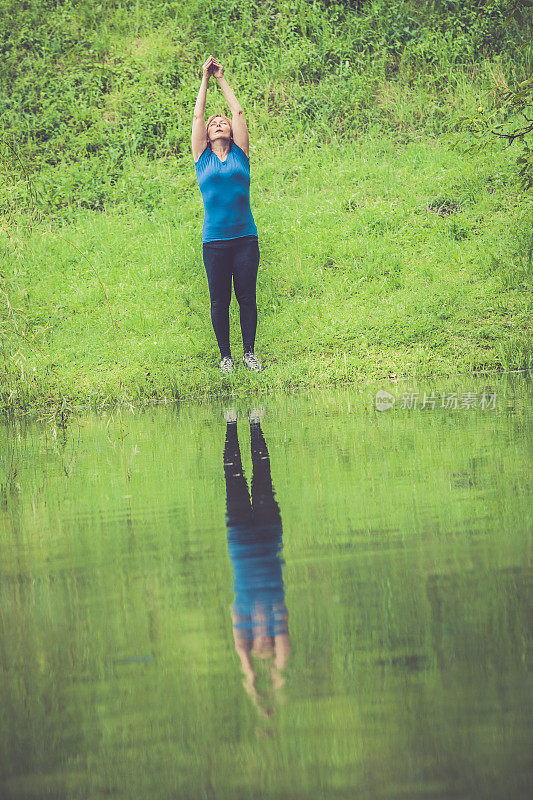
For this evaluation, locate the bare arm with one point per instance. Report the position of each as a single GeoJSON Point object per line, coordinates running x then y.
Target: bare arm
{"type": "Point", "coordinates": [240, 129]}
{"type": "Point", "coordinates": [283, 650]}
{"type": "Point", "coordinates": [199, 135]}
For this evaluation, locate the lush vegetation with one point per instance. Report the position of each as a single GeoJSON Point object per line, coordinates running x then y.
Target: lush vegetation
{"type": "Point", "coordinates": [351, 108]}
{"type": "Point", "coordinates": [88, 88]}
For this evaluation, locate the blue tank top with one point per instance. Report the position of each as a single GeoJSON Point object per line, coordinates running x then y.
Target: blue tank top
{"type": "Point", "coordinates": [225, 188]}
{"type": "Point", "coordinates": [255, 552]}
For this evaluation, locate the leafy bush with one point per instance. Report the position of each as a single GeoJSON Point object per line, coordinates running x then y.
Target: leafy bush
{"type": "Point", "coordinates": [507, 117]}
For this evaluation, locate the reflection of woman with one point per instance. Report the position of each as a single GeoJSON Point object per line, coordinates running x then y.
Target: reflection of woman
{"type": "Point", "coordinates": [260, 617]}
{"type": "Point", "coordinates": [229, 233]}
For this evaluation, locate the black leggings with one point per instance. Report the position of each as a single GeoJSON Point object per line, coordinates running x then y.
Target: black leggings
{"type": "Point", "coordinates": [222, 260]}
{"type": "Point", "coordinates": [262, 508]}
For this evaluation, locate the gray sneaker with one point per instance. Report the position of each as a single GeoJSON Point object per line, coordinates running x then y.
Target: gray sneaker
{"type": "Point", "coordinates": [255, 415]}
{"type": "Point", "coordinates": [251, 361]}
{"type": "Point", "coordinates": [230, 415]}
{"type": "Point", "coordinates": [226, 365]}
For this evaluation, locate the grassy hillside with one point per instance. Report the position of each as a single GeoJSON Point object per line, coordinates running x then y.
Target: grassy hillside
{"type": "Point", "coordinates": [86, 89]}
{"type": "Point", "coordinates": [383, 251]}
{"type": "Point", "coordinates": [376, 259]}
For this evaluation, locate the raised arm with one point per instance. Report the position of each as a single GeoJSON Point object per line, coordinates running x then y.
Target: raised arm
{"type": "Point", "coordinates": [199, 135]}
{"type": "Point", "coordinates": [240, 129]}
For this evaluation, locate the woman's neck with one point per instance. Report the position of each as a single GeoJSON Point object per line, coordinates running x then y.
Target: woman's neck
{"type": "Point", "coordinates": [220, 147]}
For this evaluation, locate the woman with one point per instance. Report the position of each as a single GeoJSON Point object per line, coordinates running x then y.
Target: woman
{"type": "Point", "coordinates": [229, 234]}
{"type": "Point", "coordinates": [255, 540]}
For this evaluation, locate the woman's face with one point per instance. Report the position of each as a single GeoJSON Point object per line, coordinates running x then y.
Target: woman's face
{"type": "Point", "coordinates": [219, 128]}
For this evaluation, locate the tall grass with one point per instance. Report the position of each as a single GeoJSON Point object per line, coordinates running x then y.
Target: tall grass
{"type": "Point", "coordinates": [86, 90]}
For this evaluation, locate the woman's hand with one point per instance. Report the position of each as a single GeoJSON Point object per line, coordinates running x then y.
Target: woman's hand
{"type": "Point", "coordinates": [207, 68]}
{"type": "Point", "coordinates": [217, 69]}
{"type": "Point", "coordinates": [212, 67]}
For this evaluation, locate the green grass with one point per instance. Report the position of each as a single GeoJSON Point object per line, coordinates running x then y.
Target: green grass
{"type": "Point", "coordinates": [376, 259]}
{"type": "Point", "coordinates": [89, 92]}
{"type": "Point", "coordinates": [382, 251]}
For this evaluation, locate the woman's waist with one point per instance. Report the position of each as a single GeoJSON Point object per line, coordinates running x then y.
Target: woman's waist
{"type": "Point", "coordinates": [234, 241]}
{"type": "Point", "coordinates": [231, 230]}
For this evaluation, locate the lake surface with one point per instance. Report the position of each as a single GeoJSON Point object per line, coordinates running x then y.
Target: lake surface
{"type": "Point", "coordinates": [329, 601]}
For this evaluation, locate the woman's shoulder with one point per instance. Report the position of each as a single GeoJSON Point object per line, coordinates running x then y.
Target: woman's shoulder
{"type": "Point", "coordinates": [202, 155]}
{"type": "Point", "coordinates": [240, 152]}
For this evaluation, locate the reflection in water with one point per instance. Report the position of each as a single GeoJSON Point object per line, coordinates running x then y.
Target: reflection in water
{"type": "Point", "coordinates": [260, 618]}
{"type": "Point", "coordinates": [410, 675]}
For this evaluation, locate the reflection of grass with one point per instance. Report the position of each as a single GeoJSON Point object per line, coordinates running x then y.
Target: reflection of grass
{"type": "Point", "coordinates": [405, 549]}
{"type": "Point", "coordinates": [359, 278]}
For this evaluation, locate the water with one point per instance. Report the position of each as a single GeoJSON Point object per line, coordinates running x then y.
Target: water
{"type": "Point", "coordinates": [381, 576]}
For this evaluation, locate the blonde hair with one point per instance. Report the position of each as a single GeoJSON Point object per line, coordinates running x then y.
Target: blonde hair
{"type": "Point", "coordinates": [210, 120]}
